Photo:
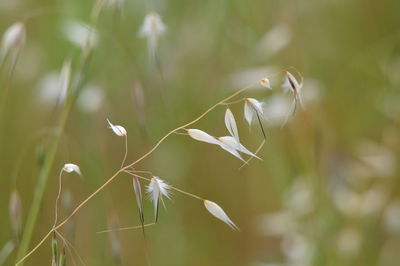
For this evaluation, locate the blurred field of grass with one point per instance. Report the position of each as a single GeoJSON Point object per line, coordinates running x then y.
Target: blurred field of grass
{"type": "Point", "coordinates": [318, 172]}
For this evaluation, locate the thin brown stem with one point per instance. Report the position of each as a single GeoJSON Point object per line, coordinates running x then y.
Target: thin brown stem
{"type": "Point", "coordinates": [233, 102]}
{"type": "Point", "coordinates": [58, 197]}
{"type": "Point", "coordinates": [125, 228]}
{"type": "Point", "coordinates": [126, 151]}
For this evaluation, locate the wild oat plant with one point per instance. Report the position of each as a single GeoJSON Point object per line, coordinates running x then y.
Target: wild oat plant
{"type": "Point", "coordinates": [144, 181]}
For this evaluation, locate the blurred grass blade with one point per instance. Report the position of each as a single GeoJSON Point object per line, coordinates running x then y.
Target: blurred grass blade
{"type": "Point", "coordinates": [54, 250]}
{"type": "Point", "coordinates": [63, 260]}
{"type": "Point", "coordinates": [50, 156]}
{"type": "Point", "coordinates": [6, 251]}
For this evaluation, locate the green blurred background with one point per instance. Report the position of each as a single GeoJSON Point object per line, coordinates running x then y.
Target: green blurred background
{"type": "Point", "coordinates": [327, 191]}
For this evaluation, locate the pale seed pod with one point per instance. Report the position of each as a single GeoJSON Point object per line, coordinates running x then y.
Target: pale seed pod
{"type": "Point", "coordinates": [138, 196]}
{"type": "Point", "coordinates": [265, 83]}
{"type": "Point", "coordinates": [295, 87]}
{"type": "Point", "coordinates": [118, 130]}
{"type": "Point", "coordinates": [248, 112]}
{"type": "Point", "coordinates": [232, 142]}
{"type": "Point", "coordinates": [228, 147]}
{"type": "Point", "coordinates": [230, 124]}
{"type": "Point", "coordinates": [219, 213]}
{"type": "Point", "coordinates": [70, 167]}
{"type": "Point", "coordinates": [200, 135]}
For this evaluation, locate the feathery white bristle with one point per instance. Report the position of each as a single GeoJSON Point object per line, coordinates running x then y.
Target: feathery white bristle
{"type": "Point", "coordinates": [153, 27]}
{"type": "Point", "coordinates": [156, 190]}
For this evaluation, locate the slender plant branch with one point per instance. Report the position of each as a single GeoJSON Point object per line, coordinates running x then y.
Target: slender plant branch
{"type": "Point", "coordinates": [125, 228]}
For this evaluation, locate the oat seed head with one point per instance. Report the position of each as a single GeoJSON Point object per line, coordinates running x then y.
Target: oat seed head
{"type": "Point", "coordinates": [156, 190]}
{"type": "Point", "coordinates": [158, 185]}
{"type": "Point", "coordinates": [234, 144]}
{"type": "Point", "coordinates": [202, 136]}
{"type": "Point", "coordinates": [152, 28]}
{"type": "Point", "coordinates": [219, 213]}
{"type": "Point", "coordinates": [70, 167]}
{"type": "Point", "coordinates": [118, 130]}
{"type": "Point", "coordinates": [230, 124]}
{"type": "Point", "coordinates": [265, 83]}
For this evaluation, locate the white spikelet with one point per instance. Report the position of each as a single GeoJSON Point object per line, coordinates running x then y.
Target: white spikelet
{"type": "Point", "coordinates": [200, 135]}
{"type": "Point", "coordinates": [219, 213]}
{"type": "Point", "coordinates": [295, 87]}
{"type": "Point", "coordinates": [152, 28]}
{"type": "Point", "coordinates": [265, 83]}
{"type": "Point", "coordinates": [230, 124]}
{"type": "Point", "coordinates": [228, 143]}
{"type": "Point", "coordinates": [232, 143]}
{"type": "Point", "coordinates": [13, 39]}
{"type": "Point", "coordinates": [156, 190]}
{"type": "Point", "coordinates": [70, 167]}
{"type": "Point", "coordinates": [138, 195]}
{"type": "Point", "coordinates": [230, 149]}
{"type": "Point", "coordinates": [118, 130]}
{"type": "Point", "coordinates": [251, 105]}
{"type": "Point", "coordinates": [256, 105]}
{"type": "Point", "coordinates": [248, 112]}
{"type": "Point", "coordinates": [294, 84]}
